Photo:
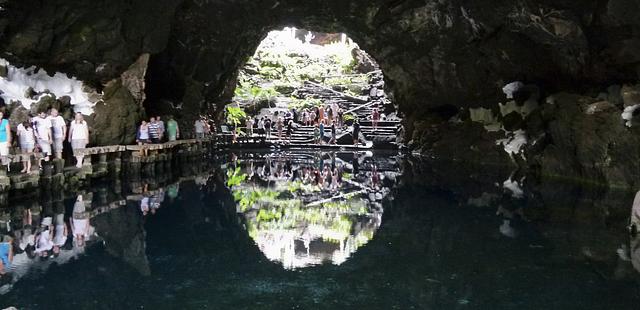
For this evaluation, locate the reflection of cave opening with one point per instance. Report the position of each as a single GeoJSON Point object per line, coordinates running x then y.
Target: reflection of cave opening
{"type": "Point", "coordinates": [298, 80]}
{"type": "Point", "coordinates": [308, 208]}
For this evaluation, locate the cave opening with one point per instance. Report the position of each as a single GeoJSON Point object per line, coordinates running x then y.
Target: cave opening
{"type": "Point", "coordinates": [301, 82]}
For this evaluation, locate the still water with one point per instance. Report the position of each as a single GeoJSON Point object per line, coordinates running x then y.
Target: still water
{"type": "Point", "coordinates": [323, 230]}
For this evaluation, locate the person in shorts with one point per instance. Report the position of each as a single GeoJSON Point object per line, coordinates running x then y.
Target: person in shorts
{"type": "Point", "coordinates": [143, 136]}
{"type": "Point", "coordinates": [42, 124]}
{"type": "Point", "coordinates": [59, 131]}
{"type": "Point", "coordinates": [27, 140]}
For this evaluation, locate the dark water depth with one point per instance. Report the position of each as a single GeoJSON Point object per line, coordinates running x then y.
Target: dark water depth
{"type": "Point", "coordinates": [309, 230]}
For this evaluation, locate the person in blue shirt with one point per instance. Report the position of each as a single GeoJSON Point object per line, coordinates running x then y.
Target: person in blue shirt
{"type": "Point", "coordinates": [5, 139]}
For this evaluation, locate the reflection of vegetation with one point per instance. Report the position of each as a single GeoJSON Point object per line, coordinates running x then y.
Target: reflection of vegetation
{"type": "Point", "coordinates": [297, 186]}
{"type": "Point", "coordinates": [248, 198]}
{"type": "Point", "coordinates": [235, 177]}
{"type": "Point", "coordinates": [278, 217]}
{"type": "Point", "coordinates": [335, 218]}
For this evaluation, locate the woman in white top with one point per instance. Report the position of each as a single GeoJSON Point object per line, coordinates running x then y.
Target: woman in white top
{"type": "Point", "coordinates": [27, 139]}
{"type": "Point", "coordinates": [78, 137]}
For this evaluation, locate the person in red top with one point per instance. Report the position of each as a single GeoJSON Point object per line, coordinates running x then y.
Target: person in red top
{"type": "Point", "coordinates": [375, 117]}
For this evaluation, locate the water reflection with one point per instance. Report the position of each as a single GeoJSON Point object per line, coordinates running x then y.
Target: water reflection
{"type": "Point", "coordinates": [203, 235]}
{"type": "Point", "coordinates": [36, 236]}
{"type": "Point", "coordinates": [305, 209]}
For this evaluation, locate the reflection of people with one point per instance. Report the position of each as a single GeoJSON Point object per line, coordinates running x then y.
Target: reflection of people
{"type": "Point", "coordinates": [507, 230]}
{"type": "Point", "coordinates": [44, 243]}
{"type": "Point", "coordinates": [6, 254]}
{"type": "Point", "coordinates": [79, 222]}
{"type": "Point", "coordinates": [144, 205]}
{"type": "Point", "coordinates": [60, 232]}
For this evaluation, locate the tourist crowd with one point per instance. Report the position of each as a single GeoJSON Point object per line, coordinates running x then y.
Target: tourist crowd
{"type": "Point", "coordinates": [44, 133]}
{"type": "Point", "coordinates": [325, 119]}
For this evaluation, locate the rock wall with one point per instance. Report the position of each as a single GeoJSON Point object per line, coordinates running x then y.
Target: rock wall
{"type": "Point", "coordinates": [434, 53]}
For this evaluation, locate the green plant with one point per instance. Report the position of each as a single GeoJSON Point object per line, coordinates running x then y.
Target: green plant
{"type": "Point", "coordinates": [235, 115]}
{"type": "Point", "coordinates": [235, 177]}
{"type": "Point", "coordinates": [254, 94]}
{"type": "Point", "coordinates": [348, 117]}
{"type": "Point", "coordinates": [305, 103]}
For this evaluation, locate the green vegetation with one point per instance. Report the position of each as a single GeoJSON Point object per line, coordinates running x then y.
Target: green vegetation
{"type": "Point", "coordinates": [235, 115]}
{"type": "Point", "coordinates": [282, 63]}
{"type": "Point", "coordinates": [235, 177]}
{"type": "Point", "coordinates": [254, 96]}
{"type": "Point", "coordinates": [305, 103]}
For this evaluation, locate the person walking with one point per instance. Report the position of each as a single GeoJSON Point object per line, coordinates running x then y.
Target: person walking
{"type": "Point", "coordinates": [312, 118]}
{"type": "Point", "coordinates": [27, 140]}
{"type": "Point", "coordinates": [333, 133]}
{"type": "Point", "coordinates": [5, 140]}
{"type": "Point", "coordinates": [267, 127]}
{"type": "Point", "coordinates": [261, 126]}
{"type": "Point", "coordinates": [59, 130]}
{"type": "Point", "coordinates": [173, 130]}
{"type": "Point", "coordinates": [249, 126]}
{"type": "Point", "coordinates": [78, 137]}
{"type": "Point", "coordinates": [320, 114]}
{"type": "Point", "coordinates": [321, 127]}
{"type": "Point", "coordinates": [375, 117]}
{"type": "Point", "coordinates": [290, 128]}
{"type": "Point", "coordinates": [279, 127]}
{"type": "Point", "coordinates": [356, 132]}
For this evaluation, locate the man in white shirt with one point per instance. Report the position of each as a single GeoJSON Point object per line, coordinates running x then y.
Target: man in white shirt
{"type": "Point", "coordinates": [59, 129]}
{"type": "Point", "coordinates": [43, 134]}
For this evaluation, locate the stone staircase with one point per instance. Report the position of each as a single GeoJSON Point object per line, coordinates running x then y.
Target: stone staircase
{"type": "Point", "coordinates": [360, 107]}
